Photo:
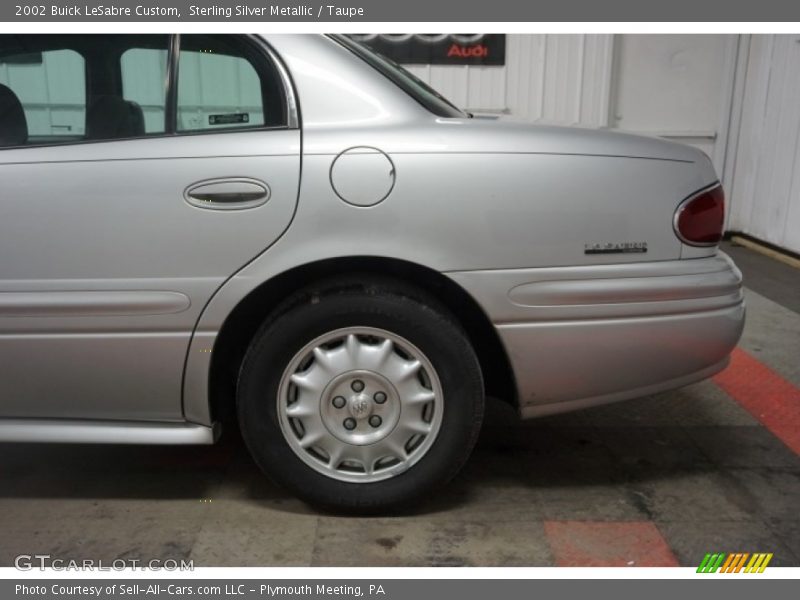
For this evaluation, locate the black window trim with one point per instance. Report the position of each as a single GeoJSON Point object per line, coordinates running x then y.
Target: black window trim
{"type": "Point", "coordinates": [284, 82]}
{"type": "Point", "coordinates": [173, 68]}
{"type": "Point", "coordinates": [443, 108]}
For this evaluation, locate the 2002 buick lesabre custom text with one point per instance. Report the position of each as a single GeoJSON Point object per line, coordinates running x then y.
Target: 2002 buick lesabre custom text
{"type": "Point", "coordinates": [100, 10]}
{"type": "Point", "coordinates": [297, 231]}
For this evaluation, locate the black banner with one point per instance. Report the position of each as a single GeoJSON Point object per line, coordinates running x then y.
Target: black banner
{"type": "Point", "coordinates": [374, 11]}
{"type": "Point", "coordinates": [439, 48]}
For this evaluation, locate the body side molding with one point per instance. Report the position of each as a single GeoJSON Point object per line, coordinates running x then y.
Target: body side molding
{"type": "Point", "coordinates": [64, 431]}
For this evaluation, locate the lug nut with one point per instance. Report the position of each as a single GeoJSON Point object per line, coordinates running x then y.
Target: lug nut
{"type": "Point", "coordinates": [375, 421]}
{"type": "Point", "coordinates": [380, 397]}
{"type": "Point", "coordinates": [349, 424]}
{"type": "Point", "coordinates": [357, 385]}
{"type": "Point", "coordinates": [339, 402]}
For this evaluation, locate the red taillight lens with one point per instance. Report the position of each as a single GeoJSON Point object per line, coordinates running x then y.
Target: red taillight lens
{"type": "Point", "coordinates": [699, 220]}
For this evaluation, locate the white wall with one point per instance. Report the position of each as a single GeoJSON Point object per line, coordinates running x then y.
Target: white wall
{"type": "Point", "coordinates": [763, 166]}
{"type": "Point", "coordinates": [676, 86]}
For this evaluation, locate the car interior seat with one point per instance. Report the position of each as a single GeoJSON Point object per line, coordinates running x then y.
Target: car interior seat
{"type": "Point", "coordinates": [113, 117]}
{"type": "Point", "coordinates": [13, 124]}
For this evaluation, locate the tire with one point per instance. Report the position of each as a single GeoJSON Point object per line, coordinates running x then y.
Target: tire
{"type": "Point", "coordinates": [310, 406]}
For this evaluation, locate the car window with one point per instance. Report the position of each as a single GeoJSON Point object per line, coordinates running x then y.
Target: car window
{"type": "Point", "coordinates": [84, 88]}
{"type": "Point", "coordinates": [223, 84]}
{"type": "Point", "coordinates": [144, 84]}
{"type": "Point", "coordinates": [127, 86]}
{"type": "Point", "coordinates": [42, 97]}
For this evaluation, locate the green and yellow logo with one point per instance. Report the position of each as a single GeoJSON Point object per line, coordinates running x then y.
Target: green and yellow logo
{"type": "Point", "coordinates": [735, 562]}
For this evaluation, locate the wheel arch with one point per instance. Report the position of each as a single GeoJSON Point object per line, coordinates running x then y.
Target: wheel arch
{"type": "Point", "coordinates": [243, 322]}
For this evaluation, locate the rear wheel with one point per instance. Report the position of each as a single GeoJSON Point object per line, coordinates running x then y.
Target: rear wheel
{"type": "Point", "coordinates": [363, 398]}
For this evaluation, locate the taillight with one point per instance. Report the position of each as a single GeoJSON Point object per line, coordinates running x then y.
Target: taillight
{"type": "Point", "coordinates": [700, 218]}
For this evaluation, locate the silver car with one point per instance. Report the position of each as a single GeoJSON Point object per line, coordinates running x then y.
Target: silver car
{"type": "Point", "coordinates": [293, 230]}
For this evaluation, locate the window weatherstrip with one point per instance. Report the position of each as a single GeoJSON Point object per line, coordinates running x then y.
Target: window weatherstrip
{"type": "Point", "coordinates": [171, 108]}
{"type": "Point", "coordinates": [292, 109]}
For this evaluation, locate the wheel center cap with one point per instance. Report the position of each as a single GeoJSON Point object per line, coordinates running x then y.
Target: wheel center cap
{"type": "Point", "coordinates": [360, 406]}
{"type": "Point", "coordinates": [350, 412]}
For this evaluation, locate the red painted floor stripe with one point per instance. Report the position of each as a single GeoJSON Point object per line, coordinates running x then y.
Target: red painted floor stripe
{"type": "Point", "coordinates": [765, 394]}
{"type": "Point", "coordinates": [608, 544]}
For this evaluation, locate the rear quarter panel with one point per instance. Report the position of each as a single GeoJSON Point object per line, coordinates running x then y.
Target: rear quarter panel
{"type": "Point", "coordinates": [468, 194]}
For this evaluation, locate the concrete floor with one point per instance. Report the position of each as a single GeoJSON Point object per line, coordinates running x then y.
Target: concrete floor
{"type": "Point", "coordinates": [656, 481]}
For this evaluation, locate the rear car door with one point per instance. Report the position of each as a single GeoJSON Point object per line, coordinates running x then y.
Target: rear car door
{"type": "Point", "coordinates": [138, 173]}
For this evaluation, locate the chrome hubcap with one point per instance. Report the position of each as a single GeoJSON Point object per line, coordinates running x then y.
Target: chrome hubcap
{"type": "Point", "coordinates": [360, 404]}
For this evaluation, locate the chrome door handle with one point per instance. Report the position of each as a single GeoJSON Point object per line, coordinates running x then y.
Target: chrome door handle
{"type": "Point", "coordinates": [234, 193]}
